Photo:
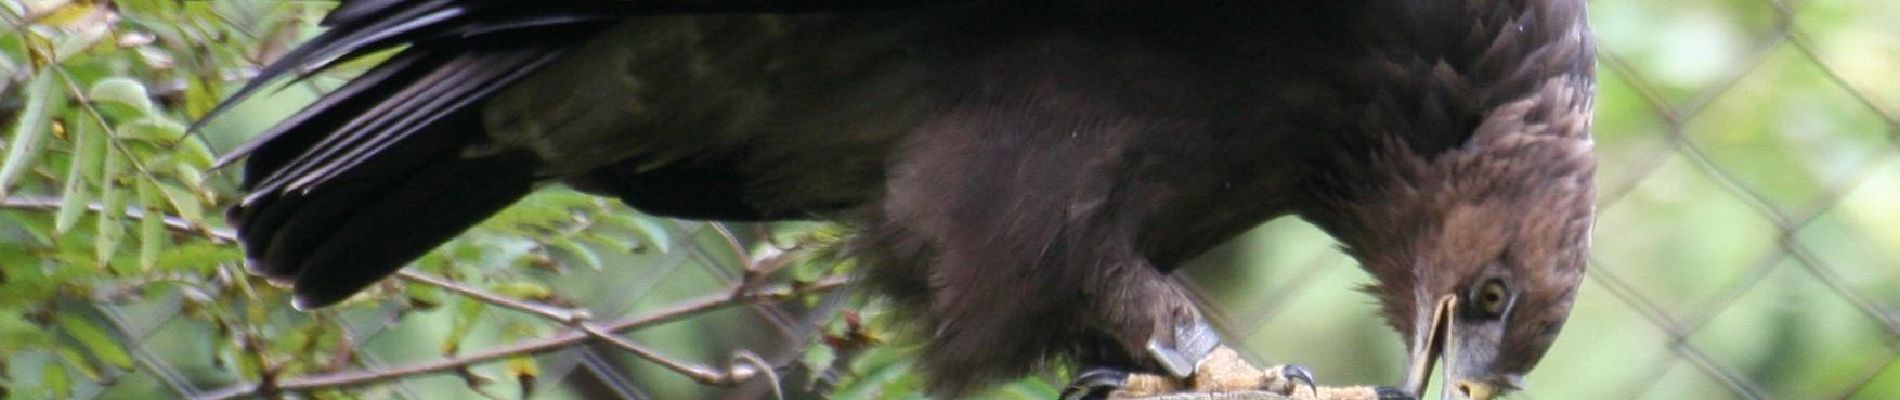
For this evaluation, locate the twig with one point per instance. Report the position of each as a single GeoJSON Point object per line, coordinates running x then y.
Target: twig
{"type": "Point", "coordinates": [562, 340]}
{"type": "Point", "coordinates": [175, 223]}
{"type": "Point", "coordinates": [763, 367]}
{"type": "Point", "coordinates": [578, 320]}
{"type": "Point", "coordinates": [564, 316]}
{"type": "Point", "coordinates": [580, 331]}
{"type": "Point", "coordinates": [703, 375]}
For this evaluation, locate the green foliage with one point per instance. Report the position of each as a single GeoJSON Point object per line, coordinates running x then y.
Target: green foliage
{"type": "Point", "coordinates": [118, 275]}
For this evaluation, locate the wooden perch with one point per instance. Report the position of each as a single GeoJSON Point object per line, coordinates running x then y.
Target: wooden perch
{"type": "Point", "coordinates": [1327, 393]}
{"type": "Point", "coordinates": [1225, 376]}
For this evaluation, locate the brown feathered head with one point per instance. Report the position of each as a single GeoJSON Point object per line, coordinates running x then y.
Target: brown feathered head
{"type": "Point", "coordinates": [1469, 197]}
{"type": "Point", "coordinates": [1479, 250]}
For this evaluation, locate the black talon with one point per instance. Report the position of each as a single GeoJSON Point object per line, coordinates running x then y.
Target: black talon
{"type": "Point", "coordinates": [1302, 375]}
{"type": "Point", "coordinates": [1392, 393]}
{"type": "Point", "coordinates": [1095, 384]}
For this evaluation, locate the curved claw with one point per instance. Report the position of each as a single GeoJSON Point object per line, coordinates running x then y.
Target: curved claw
{"type": "Point", "coordinates": [1392, 393]}
{"type": "Point", "coordinates": [1095, 384]}
{"type": "Point", "coordinates": [1297, 375]}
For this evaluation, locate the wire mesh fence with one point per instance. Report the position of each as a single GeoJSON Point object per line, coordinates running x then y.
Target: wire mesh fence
{"type": "Point", "coordinates": [1744, 246]}
{"type": "Point", "coordinates": [1749, 184]}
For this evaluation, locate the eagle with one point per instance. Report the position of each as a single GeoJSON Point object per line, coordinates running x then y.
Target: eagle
{"type": "Point", "coordinates": [1024, 175]}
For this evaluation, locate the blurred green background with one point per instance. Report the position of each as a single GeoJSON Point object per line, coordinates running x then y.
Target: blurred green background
{"type": "Point", "coordinates": [1749, 216]}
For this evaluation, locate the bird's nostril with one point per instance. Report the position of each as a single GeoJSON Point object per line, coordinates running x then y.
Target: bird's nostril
{"type": "Point", "coordinates": [1464, 389]}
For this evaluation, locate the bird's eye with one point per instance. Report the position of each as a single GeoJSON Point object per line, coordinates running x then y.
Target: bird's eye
{"type": "Point", "coordinates": [1490, 298]}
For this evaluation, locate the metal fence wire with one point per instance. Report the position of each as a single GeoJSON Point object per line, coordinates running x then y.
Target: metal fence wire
{"type": "Point", "coordinates": [1749, 191]}
{"type": "Point", "coordinates": [1749, 214]}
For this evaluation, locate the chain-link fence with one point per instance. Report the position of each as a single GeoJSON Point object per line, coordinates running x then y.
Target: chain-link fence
{"type": "Point", "coordinates": [1749, 213]}
{"type": "Point", "coordinates": [1750, 202]}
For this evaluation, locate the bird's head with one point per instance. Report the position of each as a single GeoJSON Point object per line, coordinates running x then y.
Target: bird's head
{"type": "Point", "coordinates": [1492, 284]}
{"type": "Point", "coordinates": [1467, 189]}
{"type": "Point", "coordinates": [1477, 248]}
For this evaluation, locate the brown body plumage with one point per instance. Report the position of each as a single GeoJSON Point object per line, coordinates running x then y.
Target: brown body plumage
{"type": "Point", "coordinates": [1026, 173]}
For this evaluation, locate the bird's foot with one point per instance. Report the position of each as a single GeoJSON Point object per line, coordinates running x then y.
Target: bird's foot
{"type": "Point", "coordinates": [1095, 384]}
{"type": "Point", "coordinates": [1296, 382]}
{"type": "Point", "coordinates": [1223, 371]}
{"type": "Point", "coordinates": [1289, 379]}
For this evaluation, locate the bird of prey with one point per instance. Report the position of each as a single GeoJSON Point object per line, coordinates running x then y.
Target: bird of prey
{"type": "Point", "coordinates": [1025, 174]}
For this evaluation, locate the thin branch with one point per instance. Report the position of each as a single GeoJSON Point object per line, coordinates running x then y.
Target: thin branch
{"type": "Point", "coordinates": [175, 223]}
{"type": "Point", "coordinates": [564, 316]}
{"type": "Point", "coordinates": [698, 373]}
{"type": "Point", "coordinates": [563, 340]}
{"type": "Point", "coordinates": [577, 319]}
{"type": "Point", "coordinates": [579, 332]}
{"type": "Point", "coordinates": [732, 244]}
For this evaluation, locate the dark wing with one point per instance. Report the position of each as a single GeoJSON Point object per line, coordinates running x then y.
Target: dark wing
{"type": "Point", "coordinates": [377, 172]}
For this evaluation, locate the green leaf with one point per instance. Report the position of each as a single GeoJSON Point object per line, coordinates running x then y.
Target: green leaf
{"type": "Point", "coordinates": [36, 225]}
{"type": "Point", "coordinates": [1029, 389]}
{"type": "Point", "coordinates": [151, 225]}
{"type": "Point", "coordinates": [122, 91]}
{"type": "Point", "coordinates": [524, 290]}
{"type": "Point", "coordinates": [96, 340]}
{"type": "Point", "coordinates": [423, 296]}
{"type": "Point", "coordinates": [77, 361]}
{"type": "Point", "coordinates": [193, 153]}
{"type": "Point", "coordinates": [467, 312]}
{"type": "Point", "coordinates": [97, 144]}
{"type": "Point", "coordinates": [157, 130]}
{"type": "Point", "coordinates": [19, 333]}
{"type": "Point", "coordinates": [818, 359]}
{"type": "Point", "coordinates": [526, 371]}
{"type": "Point", "coordinates": [887, 380]}
{"type": "Point", "coordinates": [8, 67]}
{"type": "Point", "coordinates": [197, 257]}
{"type": "Point", "coordinates": [70, 15]}
{"type": "Point", "coordinates": [183, 202]}
{"type": "Point", "coordinates": [54, 376]}
{"type": "Point", "coordinates": [194, 178]}
{"type": "Point", "coordinates": [30, 128]}
{"type": "Point", "coordinates": [84, 27]}
{"type": "Point", "coordinates": [577, 252]}
{"type": "Point", "coordinates": [652, 233]}
{"type": "Point", "coordinates": [88, 162]}
{"type": "Point", "coordinates": [603, 241]}
{"type": "Point", "coordinates": [110, 231]}
{"type": "Point", "coordinates": [202, 94]}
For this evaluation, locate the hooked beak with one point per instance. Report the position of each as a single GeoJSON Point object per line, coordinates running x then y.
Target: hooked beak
{"type": "Point", "coordinates": [1437, 340]}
